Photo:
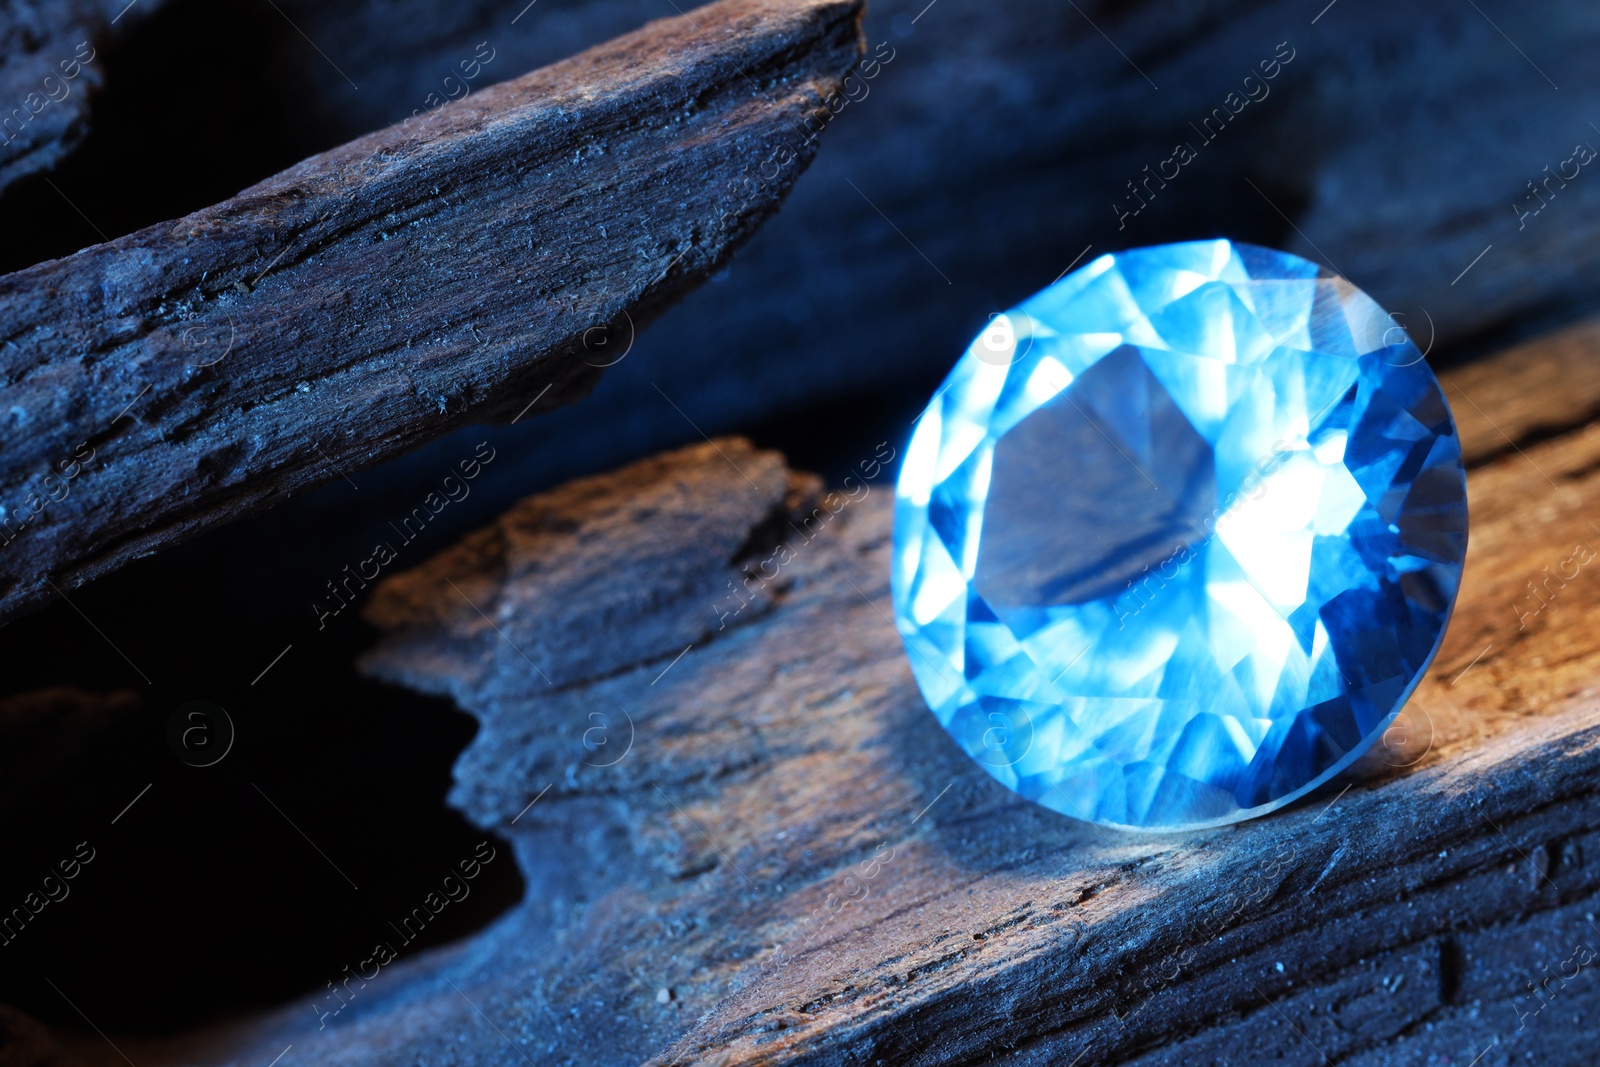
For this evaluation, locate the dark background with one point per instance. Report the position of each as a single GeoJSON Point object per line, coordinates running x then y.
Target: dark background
{"type": "Point", "coordinates": [986, 159]}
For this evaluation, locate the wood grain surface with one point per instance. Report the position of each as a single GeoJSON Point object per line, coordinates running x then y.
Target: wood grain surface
{"type": "Point", "coordinates": [376, 296]}
{"type": "Point", "coordinates": [747, 841]}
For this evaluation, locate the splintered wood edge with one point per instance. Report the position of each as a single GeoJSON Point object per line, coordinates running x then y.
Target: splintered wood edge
{"type": "Point", "coordinates": [1000, 926]}
{"type": "Point", "coordinates": [1501, 764]}
{"type": "Point", "coordinates": [1490, 764]}
{"type": "Point", "coordinates": [381, 294]}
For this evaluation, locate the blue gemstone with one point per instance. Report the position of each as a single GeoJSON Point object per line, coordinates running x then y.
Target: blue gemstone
{"type": "Point", "coordinates": [1178, 536]}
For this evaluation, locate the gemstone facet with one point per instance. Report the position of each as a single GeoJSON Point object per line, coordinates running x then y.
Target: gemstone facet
{"type": "Point", "coordinates": [1178, 535]}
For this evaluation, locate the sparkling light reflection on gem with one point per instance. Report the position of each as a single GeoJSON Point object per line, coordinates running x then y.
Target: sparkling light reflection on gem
{"type": "Point", "coordinates": [1178, 536]}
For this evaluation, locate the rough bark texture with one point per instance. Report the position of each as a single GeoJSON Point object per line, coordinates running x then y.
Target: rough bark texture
{"type": "Point", "coordinates": [746, 841]}
{"type": "Point", "coordinates": [1000, 142]}
{"type": "Point", "coordinates": [378, 295]}
{"type": "Point", "coordinates": [1002, 138]}
{"type": "Point", "coordinates": [49, 69]}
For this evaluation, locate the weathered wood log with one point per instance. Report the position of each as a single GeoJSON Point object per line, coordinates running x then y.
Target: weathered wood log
{"type": "Point", "coordinates": [747, 841]}
{"type": "Point", "coordinates": [378, 295]}
{"type": "Point", "coordinates": [1002, 139]}
{"type": "Point", "coordinates": [1400, 141]}
{"type": "Point", "coordinates": [49, 70]}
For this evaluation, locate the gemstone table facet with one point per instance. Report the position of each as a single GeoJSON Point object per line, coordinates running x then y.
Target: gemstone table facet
{"type": "Point", "coordinates": [1178, 535]}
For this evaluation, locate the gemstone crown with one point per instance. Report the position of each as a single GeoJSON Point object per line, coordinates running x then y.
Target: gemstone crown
{"type": "Point", "coordinates": [1177, 537]}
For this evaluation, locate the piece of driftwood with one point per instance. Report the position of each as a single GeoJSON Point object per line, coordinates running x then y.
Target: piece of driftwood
{"type": "Point", "coordinates": [1002, 139]}
{"type": "Point", "coordinates": [378, 295]}
{"type": "Point", "coordinates": [50, 68]}
{"type": "Point", "coordinates": [998, 145]}
{"type": "Point", "coordinates": [746, 841]}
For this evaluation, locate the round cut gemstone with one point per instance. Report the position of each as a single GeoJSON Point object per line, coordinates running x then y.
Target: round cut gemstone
{"type": "Point", "coordinates": [1178, 536]}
